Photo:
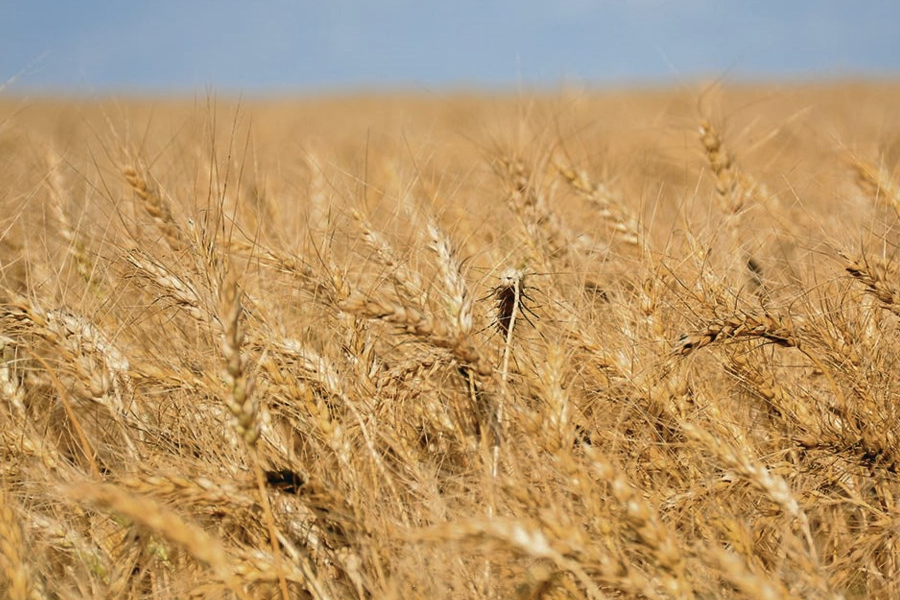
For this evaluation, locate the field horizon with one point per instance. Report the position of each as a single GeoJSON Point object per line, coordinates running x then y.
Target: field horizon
{"type": "Point", "coordinates": [582, 344]}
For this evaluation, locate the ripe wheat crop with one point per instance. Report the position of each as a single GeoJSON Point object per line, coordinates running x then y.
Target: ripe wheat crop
{"type": "Point", "coordinates": [589, 345]}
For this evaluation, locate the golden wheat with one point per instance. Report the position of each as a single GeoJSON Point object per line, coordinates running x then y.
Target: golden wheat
{"type": "Point", "coordinates": [407, 369]}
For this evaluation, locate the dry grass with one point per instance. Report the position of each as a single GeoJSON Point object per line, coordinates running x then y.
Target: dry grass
{"type": "Point", "coordinates": [604, 346]}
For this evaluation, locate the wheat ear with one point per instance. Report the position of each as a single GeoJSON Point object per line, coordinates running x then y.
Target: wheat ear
{"type": "Point", "coordinates": [162, 521]}
{"type": "Point", "coordinates": [875, 180]}
{"type": "Point", "coordinates": [767, 327]}
{"type": "Point", "coordinates": [240, 400]}
{"type": "Point", "coordinates": [13, 564]}
{"type": "Point", "coordinates": [878, 281]}
{"type": "Point", "coordinates": [75, 246]}
{"type": "Point", "coordinates": [610, 208]}
{"type": "Point", "coordinates": [156, 206]}
{"type": "Point", "coordinates": [734, 188]}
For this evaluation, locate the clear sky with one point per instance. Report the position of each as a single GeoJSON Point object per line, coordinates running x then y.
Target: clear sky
{"type": "Point", "coordinates": [271, 46]}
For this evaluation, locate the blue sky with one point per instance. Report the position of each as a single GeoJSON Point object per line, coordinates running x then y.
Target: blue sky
{"type": "Point", "coordinates": [272, 46]}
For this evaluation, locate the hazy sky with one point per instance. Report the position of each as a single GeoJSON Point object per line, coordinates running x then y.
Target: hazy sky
{"type": "Point", "coordinates": [257, 46]}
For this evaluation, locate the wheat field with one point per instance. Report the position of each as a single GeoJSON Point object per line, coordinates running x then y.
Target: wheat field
{"type": "Point", "coordinates": [576, 345]}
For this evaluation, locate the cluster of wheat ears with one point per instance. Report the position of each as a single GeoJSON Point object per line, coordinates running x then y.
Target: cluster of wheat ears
{"type": "Point", "coordinates": [623, 348]}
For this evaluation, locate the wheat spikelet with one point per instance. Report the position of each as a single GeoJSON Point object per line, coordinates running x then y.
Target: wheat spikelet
{"type": "Point", "coordinates": [193, 490]}
{"type": "Point", "coordinates": [552, 381]}
{"type": "Point", "coordinates": [548, 235]}
{"type": "Point", "coordinates": [19, 437]}
{"type": "Point", "coordinates": [99, 367]}
{"type": "Point", "coordinates": [63, 535]}
{"type": "Point", "coordinates": [738, 573]}
{"type": "Point", "coordinates": [12, 390]}
{"type": "Point", "coordinates": [180, 290]}
{"type": "Point", "coordinates": [328, 290]}
{"type": "Point", "coordinates": [79, 338]}
{"type": "Point", "coordinates": [319, 369]}
{"type": "Point", "coordinates": [786, 406]}
{"type": "Point", "coordinates": [738, 456]}
{"type": "Point", "coordinates": [523, 537]}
